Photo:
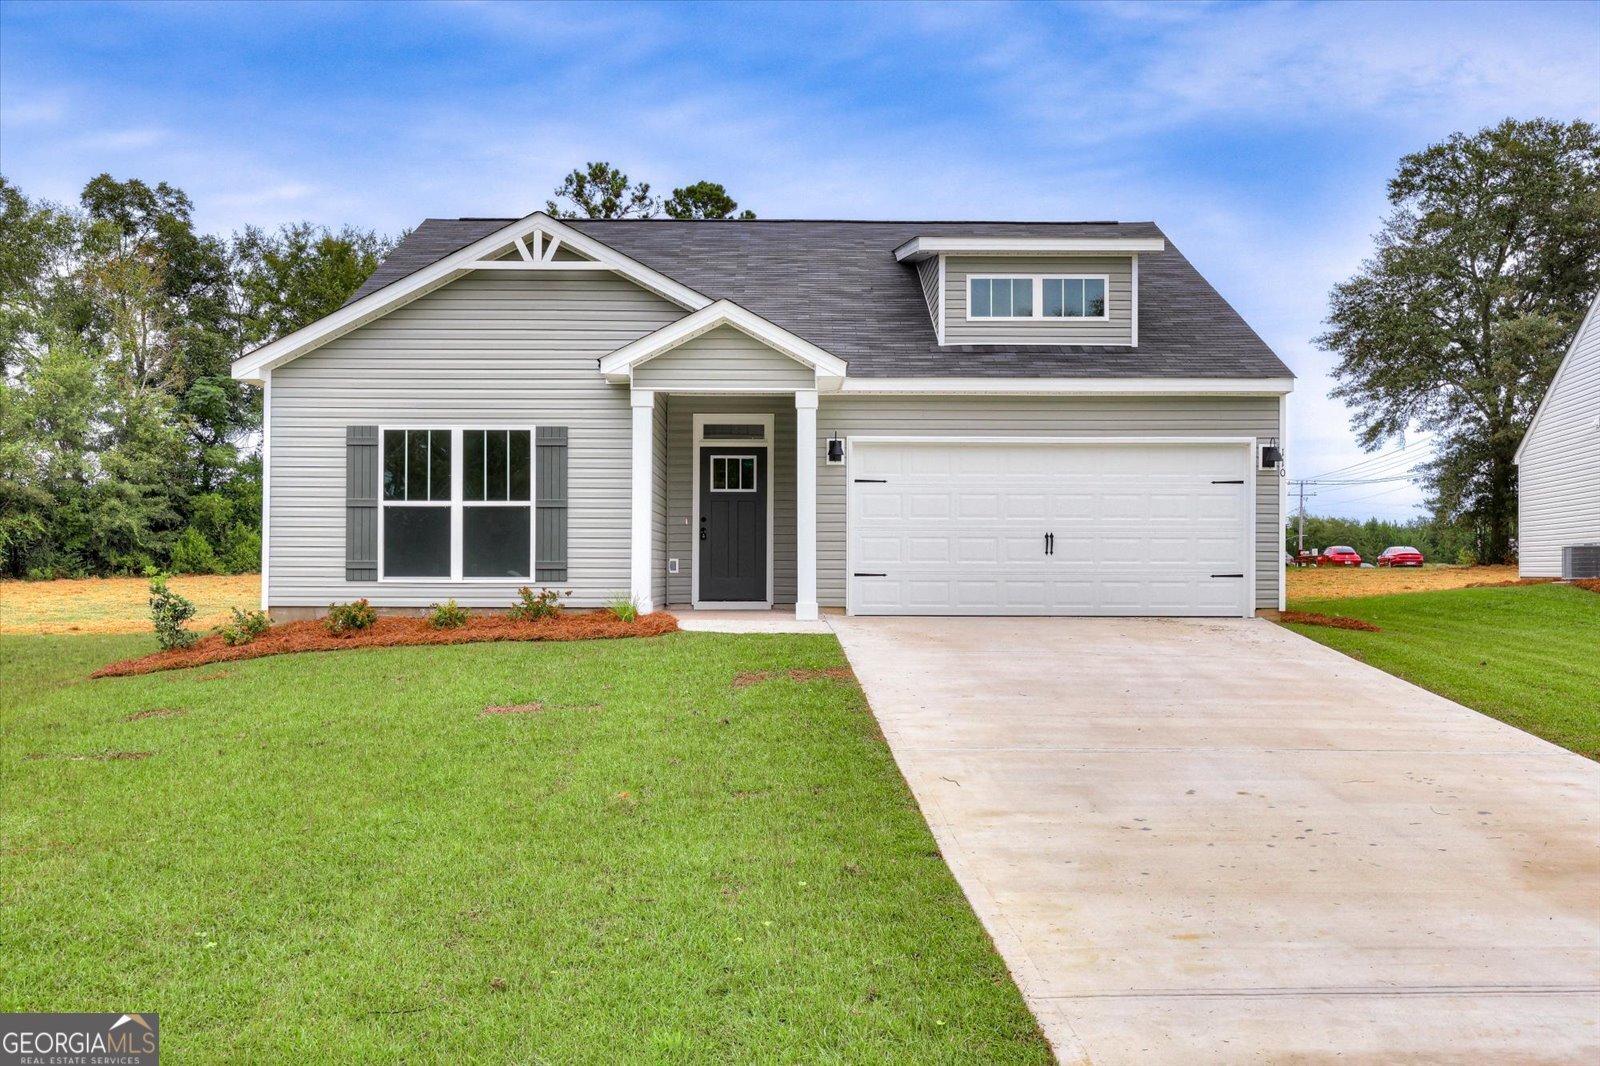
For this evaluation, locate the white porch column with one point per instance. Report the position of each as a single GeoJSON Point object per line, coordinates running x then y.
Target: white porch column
{"type": "Point", "coordinates": [644, 424]}
{"type": "Point", "coordinates": [805, 492]}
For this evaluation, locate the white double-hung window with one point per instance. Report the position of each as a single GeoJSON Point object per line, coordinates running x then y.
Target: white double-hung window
{"type": "Point", "coordinates": [457, 504]}
{"type": "Point", "coordinates": [1048, 296]}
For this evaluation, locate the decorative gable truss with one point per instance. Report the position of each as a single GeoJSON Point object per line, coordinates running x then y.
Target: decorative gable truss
{"type": "Point", "coordinates": [535, 243]}
{"type": "Point", "coordinates": [829, 369]}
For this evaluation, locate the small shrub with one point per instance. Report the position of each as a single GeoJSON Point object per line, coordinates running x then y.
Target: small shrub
{"type": "Point", "coordinates": [168, 613]}
{"type": "Point", "coordinates": [624, 607]}
{"type": "Point", "coordinates": [531, 608]}
{"type": "Point", "coordinates": [349, 617]}
{"type": "Point", "coordinates": [1466, 557]}
{"type": "Point", "coordinates": [245, 627]}
{"type": "Point", "coordinates": [447, 615]}
{"type": "Point", "coordinates": [192, 554]}
{"type": "Point", "coordinates": [244, 551]}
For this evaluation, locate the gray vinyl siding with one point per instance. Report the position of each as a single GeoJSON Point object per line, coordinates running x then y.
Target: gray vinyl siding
{"type": "Point", "coordinates": [680, 481]}
{"type": "Point", "coordinates": [1119, 295]}
{"type": "Point", "coordinates": [505, 348]}
{"type": "Point", "coordinates": [928, 276]}
{"type": "Point", "coordinates": [1559, 470]}
{"type": "Point", "coordinates": [721, 358]}
{"type": "Point", "coordinates": [947, 416]}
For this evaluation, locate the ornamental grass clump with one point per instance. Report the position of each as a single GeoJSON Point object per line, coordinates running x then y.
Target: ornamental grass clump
{"type": "Point", "coordinates": [168, 613]}
{"type": "Point", "coordinates": [350, 617]}
{"type": "Point", "coordinates": [624, 608]}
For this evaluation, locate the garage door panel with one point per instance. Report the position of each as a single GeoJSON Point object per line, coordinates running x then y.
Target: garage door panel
{"type": "Point", "coordinates": [1137, 529]}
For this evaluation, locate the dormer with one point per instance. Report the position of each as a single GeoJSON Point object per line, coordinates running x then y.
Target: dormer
{"type": "Point", "coordinates": [1031, 290]}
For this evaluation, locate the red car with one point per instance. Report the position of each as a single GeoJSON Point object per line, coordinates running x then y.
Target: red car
{"type": "Point", "coordinates": [1400, 556]}
{"type": "Point", "coordinates": [1339, 555]}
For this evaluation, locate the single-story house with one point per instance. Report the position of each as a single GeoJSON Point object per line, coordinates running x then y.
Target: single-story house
{"type": "Point", "coordinates": [880, 417]}
{"type": "Point", "coordinates": [1558, 467]}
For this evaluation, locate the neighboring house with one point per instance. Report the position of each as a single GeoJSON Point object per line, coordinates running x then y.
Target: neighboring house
{"type": "Point", "coordinates": [1558, 462]}
{"type": "Point", "coordinates": [886, 417]}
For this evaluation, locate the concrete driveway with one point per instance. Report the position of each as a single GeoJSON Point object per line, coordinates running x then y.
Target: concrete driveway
{"type": "Point", "coordinates": [1217, 841]}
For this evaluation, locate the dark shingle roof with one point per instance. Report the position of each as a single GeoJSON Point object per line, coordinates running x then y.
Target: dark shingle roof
{"type": "Point", "coordinates": [838, 285]}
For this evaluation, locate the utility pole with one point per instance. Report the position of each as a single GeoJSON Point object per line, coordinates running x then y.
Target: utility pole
{"type": "Point", "coordinates": [1300, 541]}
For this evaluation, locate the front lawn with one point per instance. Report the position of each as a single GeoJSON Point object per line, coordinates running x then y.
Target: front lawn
{"type": "Point", "coordinates": [1528, 655]}
{"type": "Point", "coordinates": [341, 857]}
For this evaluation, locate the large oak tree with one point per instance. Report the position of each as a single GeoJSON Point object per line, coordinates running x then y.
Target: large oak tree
{"type": "Point", "coordinates": [1457, 323]}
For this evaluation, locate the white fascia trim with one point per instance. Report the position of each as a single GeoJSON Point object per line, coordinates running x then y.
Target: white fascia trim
{"type": "Point", "coordinates": [1555, 382]}
{"type": "Point", "coordinates": [477, 255]}
{"type": "Point", "coordinates": [619, 363]}
{"type": "Point", "coordinates": [918, 248]}
{"type": "Point", "coordinates": [1072, 386]}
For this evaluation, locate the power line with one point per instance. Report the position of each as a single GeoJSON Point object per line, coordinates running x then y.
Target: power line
{"type": "Point", "coordinates": [1378, 462]}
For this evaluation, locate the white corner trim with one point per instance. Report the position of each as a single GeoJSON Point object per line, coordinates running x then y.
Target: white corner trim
{"type": "Point", "coordinates": [805, 492]}
{"type": "Point", "coordinates": [1071, 386]}
{"type": "Point", "coordinates": [642, 501]}
{"type": "Point", "coordinates": [476, 256]}
{"type": "Point", "coordinates": [618, 365]}
{"type": "Point", "coordinates": [266, 486]}
{"type": "Point", "coordinates": [1589, 321]}
{"type": "Point", "coordinates": [1134, 302]}
{"type": "Point", "coordinates": [918, 248]}
{"type": "Point", "coordinates": [939, 325]}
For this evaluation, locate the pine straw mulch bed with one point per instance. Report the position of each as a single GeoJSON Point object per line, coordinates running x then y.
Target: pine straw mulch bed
{"type": "Point", "coordinates": [311, 635]}
{"type": "Point", "coordinates": [1333, 621]}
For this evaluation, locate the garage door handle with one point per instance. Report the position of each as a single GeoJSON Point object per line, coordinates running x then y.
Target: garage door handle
{"type": "Point", "coordinates": [1237, 481]}
{"type": "Point", "coordinates": [868, 575]}
{"type": "Point", "coordinates": [1227, 575]}
{"type": "Point", "coordinates": [872, 481]}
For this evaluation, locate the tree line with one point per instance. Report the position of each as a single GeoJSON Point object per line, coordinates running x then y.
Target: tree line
{"type": "Point", "coordinates": [125, 443]}
{"type": "Point", "coordinates": [1438, 541]}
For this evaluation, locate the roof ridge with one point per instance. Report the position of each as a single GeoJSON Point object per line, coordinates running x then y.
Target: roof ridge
{"type": "Point", "coordinates": [837, 221]}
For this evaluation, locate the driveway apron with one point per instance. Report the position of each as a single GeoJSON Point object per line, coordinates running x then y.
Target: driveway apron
{"type": "Point", "coordinates": [1217, 841]}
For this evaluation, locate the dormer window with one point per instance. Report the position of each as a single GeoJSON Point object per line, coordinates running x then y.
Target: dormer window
{"type": "Point", "coordinates": [1074, 297]}
{"type": "Point", "coordinates": [1052, 296]}
{"type": "Point", "coordinates": [1002, 297]}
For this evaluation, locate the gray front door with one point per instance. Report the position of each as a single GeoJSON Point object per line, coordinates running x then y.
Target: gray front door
{"type": "Point", "coordinates": [733, 524]}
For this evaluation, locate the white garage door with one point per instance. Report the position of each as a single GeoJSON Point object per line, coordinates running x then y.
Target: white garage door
{"type": "Point", "coordinates": [960, 527]}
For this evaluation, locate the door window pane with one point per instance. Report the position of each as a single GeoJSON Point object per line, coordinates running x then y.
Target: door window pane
{"type": "Point", "coordinates": [416, 541]}
{"type": "Point", "coordinates": [733, 473]}
{"type": "Point", "coordinates": [495, 541]}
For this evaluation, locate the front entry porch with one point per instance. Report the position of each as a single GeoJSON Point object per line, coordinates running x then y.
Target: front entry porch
{"type": "Point", "coordinates": [724, 489]}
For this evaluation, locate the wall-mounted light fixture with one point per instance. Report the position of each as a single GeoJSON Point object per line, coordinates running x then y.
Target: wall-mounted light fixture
{"type": "Point", "coordinates": [835, 450]}
{"type": "Point", "coordinates": [1271, 454]}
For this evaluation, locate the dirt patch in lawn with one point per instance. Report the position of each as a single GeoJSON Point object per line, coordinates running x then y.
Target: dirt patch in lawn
{"type": "Point", "coordinates": [1342, 582]}
{"type": "Point", "coordinates": [312, 635]}
{"type": "Point", "coordinates": [515, 708]}
{"type": "Point", "coordinates": [1333, 621]}
{"type": "Point", "coordinates": [838, 673]}
{"type": "Point", "coordinates": [156, 712]}
{"type": "Point", "coordinates": [104, 756]}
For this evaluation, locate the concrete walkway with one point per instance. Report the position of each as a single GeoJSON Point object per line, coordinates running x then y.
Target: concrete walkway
{"type": "Point", "coordinates": [1218, 842]}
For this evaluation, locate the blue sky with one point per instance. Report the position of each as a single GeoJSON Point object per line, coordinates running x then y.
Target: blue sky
{"type": "Point", "coordinates": [1259, 136]}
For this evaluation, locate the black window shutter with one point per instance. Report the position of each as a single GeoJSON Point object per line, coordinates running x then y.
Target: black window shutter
{"type": "Point", "coordinates": [550, 537]}
{"type": "Point", "coordinates": [361, 483]}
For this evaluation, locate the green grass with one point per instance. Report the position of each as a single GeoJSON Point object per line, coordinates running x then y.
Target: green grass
{"type": "Point", "coordinates": [336, 857]}
{"type": "Point", "coordinates": [1528, 655]}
